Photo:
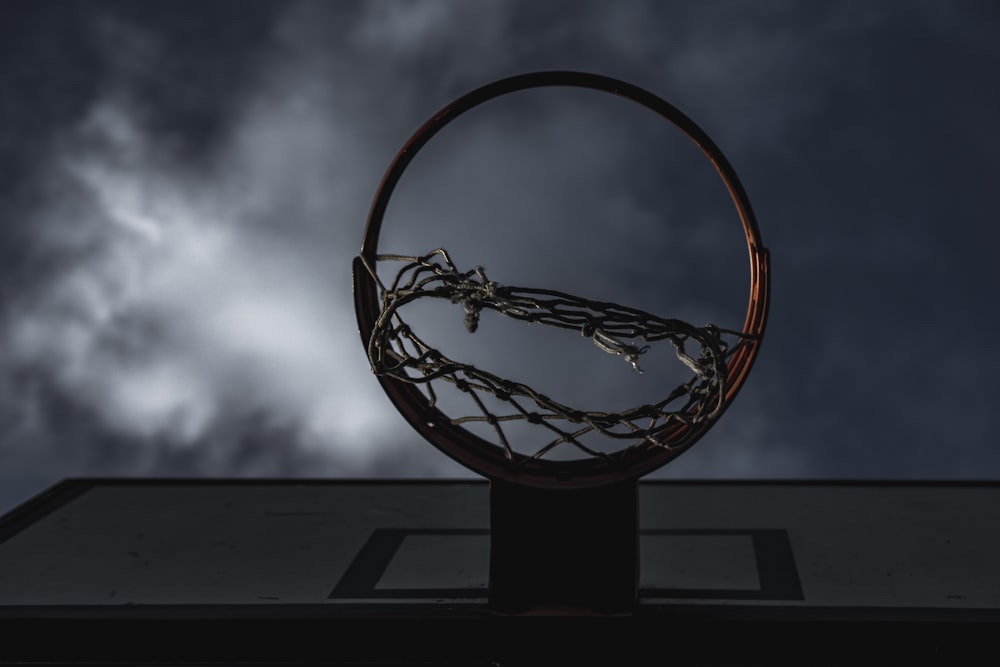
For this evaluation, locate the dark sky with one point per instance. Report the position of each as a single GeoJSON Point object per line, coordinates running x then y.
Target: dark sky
{"type": "Point", "coordinates": [184, 185]}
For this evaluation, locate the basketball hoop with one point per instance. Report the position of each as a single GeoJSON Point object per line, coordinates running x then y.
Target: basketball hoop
{"type": "Point", "coordinates": [652, 434]}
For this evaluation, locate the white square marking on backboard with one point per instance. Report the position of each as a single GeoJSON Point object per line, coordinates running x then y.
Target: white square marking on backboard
{"type": "Point", "coordinates": [720, 562]}
{"type": "Point", "coordinates": [439, 562]}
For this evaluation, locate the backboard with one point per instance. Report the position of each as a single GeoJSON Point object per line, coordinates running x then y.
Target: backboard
{"type": "Point", "coordinates": [356, 571]}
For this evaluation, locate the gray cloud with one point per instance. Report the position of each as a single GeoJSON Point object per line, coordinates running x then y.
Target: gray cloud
{"type": "Point", "coordinates": [192, 185]}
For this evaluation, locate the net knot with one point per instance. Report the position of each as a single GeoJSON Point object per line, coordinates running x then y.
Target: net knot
{"type": "Point", "coordinates": [473, 294]}
{"type": "Point", "coordinates": [472, 310]}
{"type": "Point", "coordinates": [631, 354]}
{"type": "Point", "coordinates": [612, 345]}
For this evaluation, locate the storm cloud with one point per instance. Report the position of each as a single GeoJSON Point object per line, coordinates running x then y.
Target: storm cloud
{"type": "Point", "coordinates": [185, 185]}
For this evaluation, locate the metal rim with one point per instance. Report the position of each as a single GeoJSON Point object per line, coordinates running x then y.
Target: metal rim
{"type": "Point", "coordinates": [482, 456]}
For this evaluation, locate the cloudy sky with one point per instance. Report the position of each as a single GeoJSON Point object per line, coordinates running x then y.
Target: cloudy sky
{"type": "Point", "coordinates": [184, 185]}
